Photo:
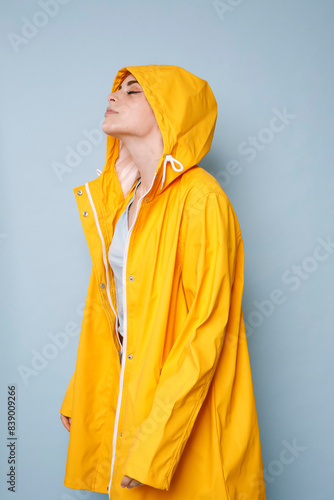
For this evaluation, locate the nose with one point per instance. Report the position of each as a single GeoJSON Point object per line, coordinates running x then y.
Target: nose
{"type": "Point", "coordinates": [112, 96]}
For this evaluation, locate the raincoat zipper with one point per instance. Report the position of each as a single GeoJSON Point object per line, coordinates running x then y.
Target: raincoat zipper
{"type": "Point", "coordinates": [123, 348]}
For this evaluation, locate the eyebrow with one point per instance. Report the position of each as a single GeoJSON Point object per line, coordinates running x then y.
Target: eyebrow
{"type": "Point", "coordinates": [129, 83]}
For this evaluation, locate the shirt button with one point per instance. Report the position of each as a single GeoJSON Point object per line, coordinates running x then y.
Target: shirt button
{"type": "Point", "coordinates": [121, 434]}
{"type": "Point", "coordinates": [79, 192]}
{"type": "Point", "coordinates": [131, 278]}
{"type": "Point", "coordinates": [85, 214]}
{"type": "Point", "coordinates": [102, 285]}
{"type": "Point", "coordinates": [130, 356]}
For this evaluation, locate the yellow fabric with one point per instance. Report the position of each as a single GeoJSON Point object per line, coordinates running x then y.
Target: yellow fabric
{"type": "Point", "coordinates": [187, 424]}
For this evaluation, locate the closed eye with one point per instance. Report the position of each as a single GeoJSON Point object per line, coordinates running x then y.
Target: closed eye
{"type": "Point", "coordinates": [134, 92]}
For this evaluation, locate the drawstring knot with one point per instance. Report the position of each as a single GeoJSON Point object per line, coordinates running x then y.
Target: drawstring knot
{"type": "Point", "coordinates": [172, 161]}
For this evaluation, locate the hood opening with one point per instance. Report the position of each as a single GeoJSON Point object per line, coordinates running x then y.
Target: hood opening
{"type": "Point", "coordinates": [186, 112]}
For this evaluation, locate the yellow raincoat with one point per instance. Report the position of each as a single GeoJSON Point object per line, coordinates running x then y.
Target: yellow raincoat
{"type": "Point", "coordinates": [177, 413]}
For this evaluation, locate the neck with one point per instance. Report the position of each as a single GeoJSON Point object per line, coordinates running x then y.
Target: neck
{"type": "Point", "coordinates": [146, 152]}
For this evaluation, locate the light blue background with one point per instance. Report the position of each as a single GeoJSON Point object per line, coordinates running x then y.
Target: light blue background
{"type": "Point", "coordinates": [258, 57]}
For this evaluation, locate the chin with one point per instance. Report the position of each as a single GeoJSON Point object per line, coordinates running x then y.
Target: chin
{"type": "Point", "coordinates": [107, 131]}
{"type": "Point", "coordinates": [106, 128]}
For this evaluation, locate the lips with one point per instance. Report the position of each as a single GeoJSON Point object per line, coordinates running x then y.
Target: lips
{"type": "Point", "coordinates": [110, 111]}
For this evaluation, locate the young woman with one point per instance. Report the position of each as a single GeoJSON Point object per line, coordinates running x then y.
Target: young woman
{"type": "Point", "coordinates": [161, 400]}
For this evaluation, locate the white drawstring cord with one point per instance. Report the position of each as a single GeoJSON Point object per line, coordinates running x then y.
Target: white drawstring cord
{"type": "Point", "coordinates": [168, 158]}
{"type": "Point", "coordinates": [171, 160]}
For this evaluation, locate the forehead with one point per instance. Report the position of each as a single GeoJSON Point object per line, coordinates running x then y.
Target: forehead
{"type": "Point", "coordinates": [129, 77]}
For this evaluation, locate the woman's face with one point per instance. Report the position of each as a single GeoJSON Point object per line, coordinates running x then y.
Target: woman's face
{"type": "Point", "coordinates": [129, 112]}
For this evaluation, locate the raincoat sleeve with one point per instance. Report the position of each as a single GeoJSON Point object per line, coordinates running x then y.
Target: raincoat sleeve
{"type": "Point", "coordinates": [66, 407]}
{"type": "Point", "coordinates": [209, 238]}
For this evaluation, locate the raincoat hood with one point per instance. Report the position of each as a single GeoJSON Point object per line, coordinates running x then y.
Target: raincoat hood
{"type": "Point", "coordinates": [186, 112]}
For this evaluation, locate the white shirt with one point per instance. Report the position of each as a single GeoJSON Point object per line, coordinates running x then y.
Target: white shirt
{"type": "Point", "coordinates": [116, 258]}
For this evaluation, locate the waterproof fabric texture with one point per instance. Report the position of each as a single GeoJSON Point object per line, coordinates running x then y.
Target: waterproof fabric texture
{"type": "Point", "coordinates": [178, 413]}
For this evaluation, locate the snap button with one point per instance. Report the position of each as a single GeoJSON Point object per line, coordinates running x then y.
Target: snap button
{"type": "Point", "coordinates": [130, 356]}
{"type": "Point", "coordinates": [79, 192]}
{"type": "Point", "coordinates": [146, 199]}
{"type": "Point", "coordinates": [131, 278]}
{"type": "Point", "coordinates": [102, 285]}
{"type": "Point", "coordinates": [85, 214]}
{"type": "Point", "coordinates": [121, 434]}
